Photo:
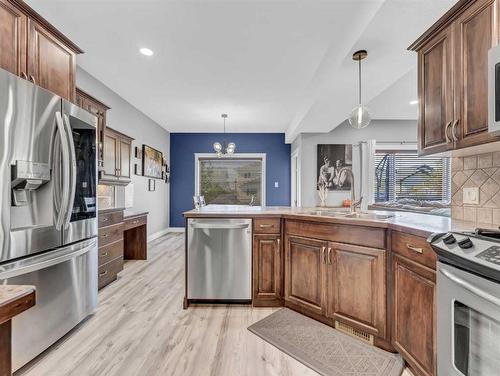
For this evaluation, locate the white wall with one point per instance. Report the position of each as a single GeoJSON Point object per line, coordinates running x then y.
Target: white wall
{"type": "Point", "coordinates": [379, 130]}
{"type": "Point", "coordinates": [125, 118]}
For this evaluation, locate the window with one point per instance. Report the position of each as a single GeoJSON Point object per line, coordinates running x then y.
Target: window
{"type": "Point", "coordinates": [231, 180]}
{"type": "Point", "coordinates": [402, 174]}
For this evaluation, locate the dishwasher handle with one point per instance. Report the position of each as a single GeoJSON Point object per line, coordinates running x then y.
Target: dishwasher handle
{"type": "Point", "coordinates": [219, 226]}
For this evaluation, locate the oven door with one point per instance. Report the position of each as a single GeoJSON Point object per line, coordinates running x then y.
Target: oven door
{"type": "Point", "coordinates": [468, 323]}
{"type": "Point", "coordinates": [494, 90]}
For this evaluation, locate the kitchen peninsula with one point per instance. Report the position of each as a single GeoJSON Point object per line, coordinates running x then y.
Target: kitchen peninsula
{"type": "Point", "coordinates": [372, 274]}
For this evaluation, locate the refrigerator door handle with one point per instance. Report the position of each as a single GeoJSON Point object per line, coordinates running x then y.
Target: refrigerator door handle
{"type": "Point", "coordinates": [62, 204]}
{"type": "Point", "coordinates": [72, 168]}
{"type": "Point", "coordinates": [28, 266]}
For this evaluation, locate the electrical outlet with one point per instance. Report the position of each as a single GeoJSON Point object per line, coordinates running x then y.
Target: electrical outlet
{"type": "Point", "coordinates": [276, 184]}
{"type": "Point", "coordinates": [471, 196]}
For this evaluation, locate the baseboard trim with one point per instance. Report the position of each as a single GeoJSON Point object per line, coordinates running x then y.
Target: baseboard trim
{"type": "Point", "coordinates": [176, 229]}
{"type": "Point", "coordinates": [157, 235]}
{"type": "Point", "coordinates": [165, 231]}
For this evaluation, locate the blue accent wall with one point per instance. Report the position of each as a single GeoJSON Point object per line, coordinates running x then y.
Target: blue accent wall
{"type": "Point", "coordinates": [183, 146]}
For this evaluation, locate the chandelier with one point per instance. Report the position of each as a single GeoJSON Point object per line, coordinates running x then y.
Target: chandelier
{"type": "Point", "coordinates": [224, 148]}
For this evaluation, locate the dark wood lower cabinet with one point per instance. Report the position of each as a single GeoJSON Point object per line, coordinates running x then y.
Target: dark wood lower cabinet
{"type": "Point", "coordinates": [267, 265]}
{"type": "Point", "coordinates": [305, 273]}
{"type": "Point", "coordinates": [414, 314]}
{"type": "Point", "coordinates": [111, 245]}
{"type": "Point", "coordinates": [357, 287]}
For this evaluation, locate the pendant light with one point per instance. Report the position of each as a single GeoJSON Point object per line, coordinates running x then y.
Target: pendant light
{"type": "Point", "coordinates": [224, 148]}
{"type": "Point", "coordinates": [360, 116]}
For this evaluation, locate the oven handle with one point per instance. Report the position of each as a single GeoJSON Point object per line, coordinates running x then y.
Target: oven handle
{"type": "Point", "coordinates": [466, 285]}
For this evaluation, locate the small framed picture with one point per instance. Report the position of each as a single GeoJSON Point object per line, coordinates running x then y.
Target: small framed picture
{"type": "Point", "coordinates": [151, 185]}
{"type": "Point", "coordinates": [137, 169]}
{"type": "Point", "coordinates": [137, 152]}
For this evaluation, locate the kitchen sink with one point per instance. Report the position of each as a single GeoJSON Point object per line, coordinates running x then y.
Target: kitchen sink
{"type": "Point", "coordinates": [326, 213]}
{"type": "Point", "coordinates": [379, 217]}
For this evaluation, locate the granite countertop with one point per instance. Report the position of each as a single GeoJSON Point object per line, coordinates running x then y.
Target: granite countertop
{"type": "Point", "coordinates": [15, 299]}
{"type": "Point", "coordinates": [110, 210]}
{"type": "Point", "coordinates": [416, 223]}
{"type": "Point", "coordinates": [134, 213]}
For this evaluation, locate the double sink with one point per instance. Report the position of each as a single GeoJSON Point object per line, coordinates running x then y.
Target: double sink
{"type": "Point", "coordinates": [368, 216]}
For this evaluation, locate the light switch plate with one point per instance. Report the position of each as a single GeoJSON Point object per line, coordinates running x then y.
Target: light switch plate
{"type": "Point", "coordinates": [471, 196]}
{"type": "Point", "coordinates": [276, 184]}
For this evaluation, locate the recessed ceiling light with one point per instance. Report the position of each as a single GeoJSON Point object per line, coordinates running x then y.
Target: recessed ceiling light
{"type": "Point", "coordinates": [146, 51]}
{"type": "Point", "coordinates": [414, 102]}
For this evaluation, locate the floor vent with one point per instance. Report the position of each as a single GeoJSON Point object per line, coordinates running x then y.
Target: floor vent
{"type": "Point", "coordinates": [356, 333]}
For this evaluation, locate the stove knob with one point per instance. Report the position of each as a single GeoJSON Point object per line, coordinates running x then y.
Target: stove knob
{"type": "Point", "coordinates": [449, 239]}
{"type": "Point", "coordinates": [465, 243]}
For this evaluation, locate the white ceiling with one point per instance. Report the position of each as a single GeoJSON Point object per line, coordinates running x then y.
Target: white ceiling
{"type": "Point", "coordinates": [273, 66]}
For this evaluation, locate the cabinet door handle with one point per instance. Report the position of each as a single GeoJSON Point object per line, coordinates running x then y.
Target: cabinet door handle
{"type": "Point", "coordinates": [414, 249]}
{"type": "Point", "coordinates": [104, 254]}
{"type": "Point", "coordinates": [323, 254]}
{"type": "Point", "coordinates": [105, 219]}
{"type": "Point", "coordinates": [24, 75]}
{"type": "Point", "coordinates": [105, 235]}
{"type": "Point", "coordinates": [32, 79]}
{"type": "Point", "coordinates": [446, 132]}
{"type": "Point", "coordinates": [101, 274]}
{"type": "Point", "coordinates": [330, 256]}
{"type": "Point", "coordinates": [278, 246]}
{"type": "Point", "coordinates": [265, 226]}
{"type": "Point", "coordinates": [454, 130]}
{"type": "Point", "coordinates": [135, 222]}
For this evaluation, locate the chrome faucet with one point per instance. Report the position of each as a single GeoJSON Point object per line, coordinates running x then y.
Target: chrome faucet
{"type": "Point", "coordinates": [354, 204]}
{"type": "Point", "coordinates": [252, 201]}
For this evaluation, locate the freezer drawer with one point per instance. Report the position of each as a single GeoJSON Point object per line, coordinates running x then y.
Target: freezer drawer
{"type": "Point", "coordinates": [66, 293]}
{"type": "Point", "coordinates": [219, 259]}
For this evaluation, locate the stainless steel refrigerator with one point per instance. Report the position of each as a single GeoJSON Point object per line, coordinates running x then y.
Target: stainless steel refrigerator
{"type": "Point", "coordinates": [48, 211]}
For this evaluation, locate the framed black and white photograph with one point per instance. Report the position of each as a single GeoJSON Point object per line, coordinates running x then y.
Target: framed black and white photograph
{"type": "Point", "coordinates": [332, 159]}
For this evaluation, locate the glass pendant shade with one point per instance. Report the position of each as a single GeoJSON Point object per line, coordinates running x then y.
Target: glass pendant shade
{"type": "Point", "coordinates": [231, 147]}
{"type": "Point", "coordinates": [360, 117]}
{"type": "Point", "coordinates": [217, 147]}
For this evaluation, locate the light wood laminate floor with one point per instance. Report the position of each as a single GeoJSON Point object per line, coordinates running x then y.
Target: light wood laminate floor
{"type": "Point", "coordinates": [140, 328]}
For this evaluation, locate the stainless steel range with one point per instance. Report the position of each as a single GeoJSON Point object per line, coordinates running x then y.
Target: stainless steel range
{"type": "Point", "coordinates": [48, 223]}
{"type": "Point", "coordinates": [468, 308]}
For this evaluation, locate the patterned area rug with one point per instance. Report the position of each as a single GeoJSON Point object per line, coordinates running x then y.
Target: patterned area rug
{"type": "Point", "coordinates": [324, 349]}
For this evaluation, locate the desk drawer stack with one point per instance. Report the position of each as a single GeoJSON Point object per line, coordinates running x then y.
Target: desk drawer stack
{"type": "Point", "coordinates": [111, 245]}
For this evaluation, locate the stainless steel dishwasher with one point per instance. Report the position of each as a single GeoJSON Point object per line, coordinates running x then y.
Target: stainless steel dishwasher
{"type": "Point", "coordinates": [219, 259]}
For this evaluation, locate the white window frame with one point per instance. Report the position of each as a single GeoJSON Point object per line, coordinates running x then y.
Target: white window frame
{"type": "Point", "coordinates": [261, 156]}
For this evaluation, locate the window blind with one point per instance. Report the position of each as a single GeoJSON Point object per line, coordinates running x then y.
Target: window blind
{"type": "Point", "coordinates": [230, 181]}
{"type": "Point", "coordinates": [404, 175]}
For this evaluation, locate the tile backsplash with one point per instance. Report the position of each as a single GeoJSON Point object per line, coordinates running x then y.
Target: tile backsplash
{"type": "Point", "coordinates": [482, 171]}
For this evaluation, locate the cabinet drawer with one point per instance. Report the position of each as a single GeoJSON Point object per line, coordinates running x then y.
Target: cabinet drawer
{"type": "Point", "coordinates": [108, 271]}
{"type": "Point", "coordinates": [135, 222]}
{"type": "Point", "coordinates": [266, 226]}
{"type": "Point", "coordinates": [110, 252]}
{"type": "Point", "coordinates": [110, 234]}
{"type": "Point", "coordinates": [109, 219]}
{"type": "Point", "coordinates": [413, 247]}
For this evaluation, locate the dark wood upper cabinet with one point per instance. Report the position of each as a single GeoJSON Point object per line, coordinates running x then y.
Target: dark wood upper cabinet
{"type": "Point", "coordinates": [267, 270]}
{"type": "Point", "coordinates": [12, 39]}
{"type": "Point", "coordinates": [414, 314]}
{"type": "Point", "coordinates": [51, 64]}
{"type": "Point", "coordinates": [435, 86]}
{"type": "Point", "coordinates": [117, 156]}
{"type": "Point", "coordinates": [475, 32]}
{"type": "Point", "coordinates": [305, 273]}
{"type": "Point", "coordinates": [33, 49]}
{"type": "Point", "coordinates": [99, 109]}
{"type": "Point", "coordinates": [453, 77]}
{"type": "Point", "coordinates": [357, 287]}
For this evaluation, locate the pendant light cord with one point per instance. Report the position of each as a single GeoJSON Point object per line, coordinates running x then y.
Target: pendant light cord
{"type": "Point", "coordinates": [359, 73]}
